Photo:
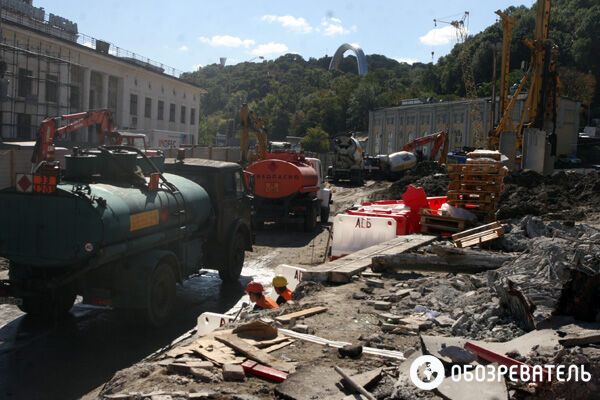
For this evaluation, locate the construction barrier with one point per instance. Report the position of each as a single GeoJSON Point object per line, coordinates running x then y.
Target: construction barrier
{"type": "Point", "coordinates": [353, 232]}
{"type": "Point", "coordinates": [209, 321]}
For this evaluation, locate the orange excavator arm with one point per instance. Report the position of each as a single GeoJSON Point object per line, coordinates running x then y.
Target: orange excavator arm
{"type": "Point", "coordinates": [440, 141]}
{"type": "Point", "coordinates": [50, 129]}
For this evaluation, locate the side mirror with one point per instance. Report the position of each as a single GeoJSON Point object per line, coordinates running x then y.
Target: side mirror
{"type": "Point", "coordinates": [251, 183]}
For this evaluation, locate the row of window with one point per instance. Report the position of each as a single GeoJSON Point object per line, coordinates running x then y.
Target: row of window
{"type": "Point", "coordinates": [160, 110]}
{"type": "Point", "coordinates": [426, 119]}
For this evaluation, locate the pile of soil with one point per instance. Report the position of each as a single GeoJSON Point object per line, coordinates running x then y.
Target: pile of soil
{"type": "Point", "coordinates": [429, 175]}
{"type": "Point", "coordinates": [563, 195]}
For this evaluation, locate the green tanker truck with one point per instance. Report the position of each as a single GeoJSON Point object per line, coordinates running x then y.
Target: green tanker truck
{"type": "Point", "coordinates": [118, 229]}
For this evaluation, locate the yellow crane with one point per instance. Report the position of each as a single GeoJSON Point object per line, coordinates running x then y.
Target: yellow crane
{"type": "Point", "coordinates": [542, 97]}
{"type": "Point", "coordinates": [460, 26]}
{"type": "Point", "coordinates": [251, 122]}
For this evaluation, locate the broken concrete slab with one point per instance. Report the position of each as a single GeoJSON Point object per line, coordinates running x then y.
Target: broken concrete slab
{"type": "Point", "coordinates": [233, 373]}
{"type": "Point", "coordinates": [434, 345]}
{"type": "Point", "coordinates": [382, 305]}
{"type": "Point", "coordinates": [256, 330]}
{"type": "Point", "coordinates": [468, 261]}
{"type": "Point", "coordinates": [473, 390]}
{"type": "Point", "coordinates": [365, 379]}
{"type": "Point", "coordinates": [312, 382]}
{"type": "Point", "coordinates": [377, 283]}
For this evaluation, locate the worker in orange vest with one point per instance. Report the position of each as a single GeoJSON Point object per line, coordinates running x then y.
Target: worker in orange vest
{"type": "Point", "coordinates": [280, 285]}
{"type": "Point", "coordinates": [261, 302]}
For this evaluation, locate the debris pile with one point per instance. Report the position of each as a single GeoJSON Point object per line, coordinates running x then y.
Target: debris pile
{"type": "Point", "coordinates": [562, 196]}
{"type": "Point", "coordinates": [429, 175]}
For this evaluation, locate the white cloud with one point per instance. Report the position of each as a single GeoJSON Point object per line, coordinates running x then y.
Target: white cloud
{"type": "Point", "coordinates": [439, 36]}
{"type": "Point", "coordinates": [269, 49]}
{"type": "Point", "coordinates": [226, 41]}
{"type": "Point", "coordinates": [407, 60]}
{"type": "Point", "coordinates": [291, 23]}
{"type": "Point", "coordinates": [332, 26]}
{"type": "Point", "coordinates": [183, 48]}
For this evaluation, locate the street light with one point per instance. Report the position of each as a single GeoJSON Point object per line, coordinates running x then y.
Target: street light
{"type": "Point", "coordinates": [261, 57]}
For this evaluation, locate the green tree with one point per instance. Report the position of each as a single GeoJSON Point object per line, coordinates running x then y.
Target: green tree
{"type": "Point", "coordinates": [316, 140]}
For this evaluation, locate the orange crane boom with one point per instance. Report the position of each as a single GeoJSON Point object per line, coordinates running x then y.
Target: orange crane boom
{"type": "Point", "coordinates": [50, 129]}
{"type": "Point", "coordinates": [440, 142]}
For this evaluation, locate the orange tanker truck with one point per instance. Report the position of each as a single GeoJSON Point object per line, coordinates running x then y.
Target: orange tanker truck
{"type": "Point", "coordinates": [287, 188]}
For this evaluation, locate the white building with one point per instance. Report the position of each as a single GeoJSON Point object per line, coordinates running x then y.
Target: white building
{"type": "Point", "coordinates": [391, 128]}
{"type": "Point", "coordinates": [51, 70]}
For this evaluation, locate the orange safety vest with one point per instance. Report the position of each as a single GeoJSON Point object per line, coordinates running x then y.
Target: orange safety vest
{"type": "Point", "coordinates": [265, 303]}
{"type": "Point", "coordinates": [284, 296]}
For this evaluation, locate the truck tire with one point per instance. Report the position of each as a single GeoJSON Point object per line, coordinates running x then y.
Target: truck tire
{"type": "Point", "coordinates": [324, 215]}
{"type": "Point", "coordinates": [310, 219]}
{"type": "Point", "coordinates": [234, 260]}
{"type": "Point", "coordinates": [49, 306]}
{"type": "Point", "coordinates": [160, 295]}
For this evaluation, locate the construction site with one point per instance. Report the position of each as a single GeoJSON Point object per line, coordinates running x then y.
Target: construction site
{"type": "Point", "coordinates": [451, 251]}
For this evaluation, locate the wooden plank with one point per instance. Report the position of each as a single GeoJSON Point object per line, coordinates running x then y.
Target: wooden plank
{"type": "Point", "coordinates": [495, 234]}
{"type": "Point", "coordinates": [476, 230]}
{"type": "Point", "coordinates": [467, 261]}
{"type": "Point", "coordinates": [399, 245]}
{"type": "Point", "coordinates": [298, 314]}
{"type": "Point", "coordinates": [216, 352]}
{"type": "Point", "coordinates": [278, 346]}
{"type": "Point", "coordinates": [253, 352]}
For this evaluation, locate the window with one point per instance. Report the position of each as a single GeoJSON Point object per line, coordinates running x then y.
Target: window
{"type": "Point", "coordinates": [239, 185]}
{"type": "Point", "coordinates": [182, 114]}
{"type": "Point", "coordinates": [133, 104]}
{"type": "Point", "coordinates": [229, 183]}
{"type": "Point", "coordinates": [24, 126]}
{"type": "Point", "coordinates": [25, 79]}
{"type": "Point", "coordinates": [192, 116]}
{"type": "Point", "coordinates": [148, 108]}
{"type": "Point", "coordinates": [74, 100]}
{"type": "Point", "coordinates": [52, 88]}
{"type": "Point", "coordinates": [161, 110]}
{"type": "Point", "coordinates": [172, 112]}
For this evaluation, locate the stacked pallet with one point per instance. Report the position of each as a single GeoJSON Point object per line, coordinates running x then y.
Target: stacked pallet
{"type": "Point", "coordinates": [440, 222]}
{"type": "Point", "coordinates": [478, 184]}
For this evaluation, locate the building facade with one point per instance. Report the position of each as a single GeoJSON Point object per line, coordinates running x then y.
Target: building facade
{"type": "Point", "coordinates": [49, 69]}
{"type": "Point", "coordinates": [391, 128]}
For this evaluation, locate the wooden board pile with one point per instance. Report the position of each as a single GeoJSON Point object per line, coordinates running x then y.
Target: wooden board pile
{"type": "Point", "coordinates": [477, 185]}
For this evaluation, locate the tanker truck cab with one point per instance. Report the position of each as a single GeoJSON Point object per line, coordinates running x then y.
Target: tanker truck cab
{"type": "Point", "coordinates": [117, 230]}
{"type": "Point", "coordinates": [231, 233]}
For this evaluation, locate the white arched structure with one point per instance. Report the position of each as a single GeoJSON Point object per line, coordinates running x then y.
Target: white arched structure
{"type": "Point", "coordinates": [360, 58]}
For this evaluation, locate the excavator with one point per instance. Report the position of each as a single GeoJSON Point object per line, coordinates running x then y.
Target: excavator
{"type": "Point", "coordinates": [50, 129]}
{"type": "Point", "coordinates": [440, 142]}
{"type": "Point", "coordinates": [251, 122]}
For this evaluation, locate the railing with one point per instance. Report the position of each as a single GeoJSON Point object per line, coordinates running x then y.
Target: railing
{"type": "Point", "coordinates": [88, 41]}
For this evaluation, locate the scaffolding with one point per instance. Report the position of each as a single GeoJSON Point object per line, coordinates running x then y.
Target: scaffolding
{"type": "Point", "coordinates": [37, 82]}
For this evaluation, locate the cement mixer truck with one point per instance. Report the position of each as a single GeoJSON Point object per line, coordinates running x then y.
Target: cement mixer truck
{"type": "Point", "coordinates": [348, 161]}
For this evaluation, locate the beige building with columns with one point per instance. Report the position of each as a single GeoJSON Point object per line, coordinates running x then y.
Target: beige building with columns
{"type": "Point", "coordinates": [48, 68]}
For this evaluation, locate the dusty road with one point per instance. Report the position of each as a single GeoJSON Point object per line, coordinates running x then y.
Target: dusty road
{"type": "Point", "coordinates": [67, 360]}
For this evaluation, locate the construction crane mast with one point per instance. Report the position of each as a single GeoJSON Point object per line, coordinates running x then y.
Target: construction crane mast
{"type": "Point", "coordinates": [461, 26]}
{"type": "Point", "coordinates": [541, 103]}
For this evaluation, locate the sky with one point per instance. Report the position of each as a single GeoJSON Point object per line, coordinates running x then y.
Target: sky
{"type": "Point", "coordinates": [187, 34]}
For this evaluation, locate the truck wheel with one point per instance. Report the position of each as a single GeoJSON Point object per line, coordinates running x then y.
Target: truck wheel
{"type": "Point", "coordinates": [161, 295]}
{"type": "Point", "coordinates": [49, 306]}
{"type": "Point", "coordinates": [310, 219]}
{"type": "Point", "coordinates": [234, 261]}
{"type": "Point", "coordinates": [324, 215]}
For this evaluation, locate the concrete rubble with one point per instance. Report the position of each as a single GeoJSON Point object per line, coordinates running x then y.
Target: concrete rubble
{"type": "Point", "coordinates": [532, 295]}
